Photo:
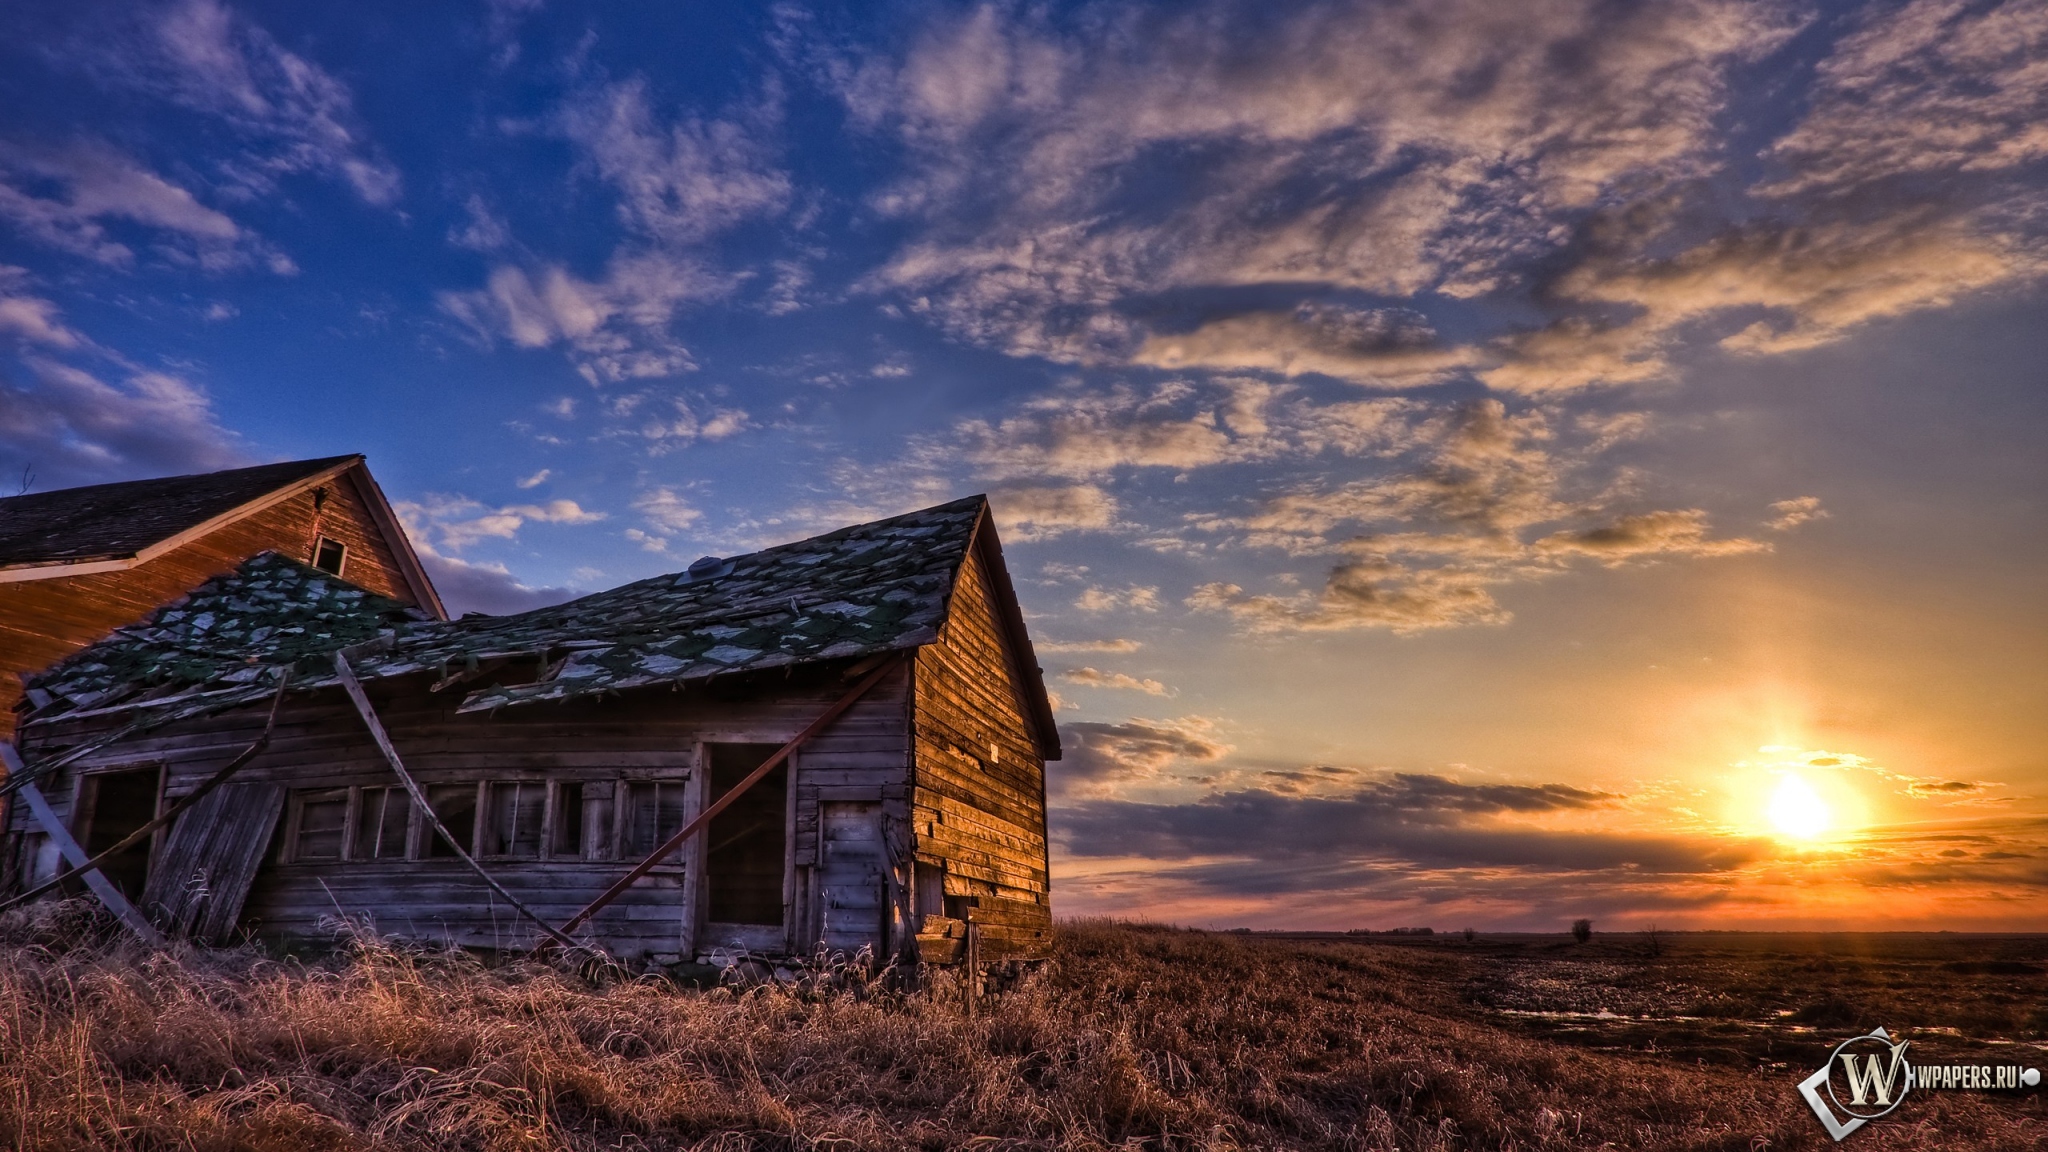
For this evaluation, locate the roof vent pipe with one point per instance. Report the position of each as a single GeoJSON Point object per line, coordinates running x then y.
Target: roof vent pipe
{"type": "Point", "coordinates": [706, 568]}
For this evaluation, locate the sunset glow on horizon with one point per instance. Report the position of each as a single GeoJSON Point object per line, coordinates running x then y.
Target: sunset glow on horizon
{"type": "Point", "coordinates": [1459, 463]}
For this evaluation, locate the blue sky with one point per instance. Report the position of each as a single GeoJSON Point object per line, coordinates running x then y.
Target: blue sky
{"type": "Point", "coordinates": [1459, 461]}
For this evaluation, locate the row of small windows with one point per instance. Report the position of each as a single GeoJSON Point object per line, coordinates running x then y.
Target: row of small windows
{"type": "Point", "coordinates": [506, 819]}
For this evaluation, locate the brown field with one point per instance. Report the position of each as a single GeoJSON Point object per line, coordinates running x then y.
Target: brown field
{"type": "Point", "coordinates": [1133, 1037]}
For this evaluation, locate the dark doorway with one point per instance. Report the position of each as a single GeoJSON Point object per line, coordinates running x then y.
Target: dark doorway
{"type": "Point", "coordinates": [747, 842]}
{"type": "Point", "coordinates": [114, 805]}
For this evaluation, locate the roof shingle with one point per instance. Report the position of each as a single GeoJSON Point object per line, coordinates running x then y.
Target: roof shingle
{"type": "Point", "coordinates": [861, 590]}
{"type": "Point", "coordinates": [116, 521]}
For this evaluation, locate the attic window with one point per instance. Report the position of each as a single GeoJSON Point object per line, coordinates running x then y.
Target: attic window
{"type": "Point", "coordinates": [329, 555]}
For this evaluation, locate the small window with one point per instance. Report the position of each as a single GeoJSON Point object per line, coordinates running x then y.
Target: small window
{"type": "Point", "coordinates": [512, 826]}
{"type": "Point", "coordinates": [654, 812]}
{"type": "Point", "coordinates": [381, 823]}
{"type": "Point", "coordinates": [455, 806]}
{"type": "Point", "coordinates": [330, 555]}
{"type": "Point", "coordinates": [568, 840]}
{"type": "Point", "coordinates": [323, 816]}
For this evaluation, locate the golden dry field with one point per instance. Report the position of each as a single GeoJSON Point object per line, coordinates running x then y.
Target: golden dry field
{"type": "Point", "coordinates": [1132, 1037]}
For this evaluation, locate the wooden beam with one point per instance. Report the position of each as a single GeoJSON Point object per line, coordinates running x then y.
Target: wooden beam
{"type": "Point", "coordinates": [75, 856]}
{"type": "Point", "coordinates": [169, 814]}
{"type": "Point", "coordinates": [704, 818]}
{"type": "Point", "coordinates": [354, 689]}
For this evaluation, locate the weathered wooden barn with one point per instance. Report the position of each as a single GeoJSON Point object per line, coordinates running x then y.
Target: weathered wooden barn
{"type": "Point", "coordinates": [77, 563]}
{"type": "Point", "coordinates": [880, 674]}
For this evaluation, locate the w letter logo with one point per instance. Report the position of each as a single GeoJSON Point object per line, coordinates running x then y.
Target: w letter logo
{"type": "Point", "coordinates": [1875, 1074]}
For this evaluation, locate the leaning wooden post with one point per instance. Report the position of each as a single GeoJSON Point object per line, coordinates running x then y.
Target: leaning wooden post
{"type": "Point", "coordinates": [354, 689]}
{"type": "Point", "coordinates": [68, 847]}
{"type": "Point", "coordinates": [973, 967]}
{"type": "Point", "coordinates": [172, 813]}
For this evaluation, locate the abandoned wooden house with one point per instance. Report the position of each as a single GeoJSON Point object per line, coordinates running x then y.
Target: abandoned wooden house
{"type": "Point", "coordinates": [838, 743]}
{"type": "Point", "coordinates": [77, 563]}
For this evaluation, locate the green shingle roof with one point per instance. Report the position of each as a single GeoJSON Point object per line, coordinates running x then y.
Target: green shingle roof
{"type": "Point", "coordinates": [861, 590]}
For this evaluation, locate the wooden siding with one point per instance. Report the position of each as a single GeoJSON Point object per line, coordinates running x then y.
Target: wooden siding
{"type": "Point", "coordinates": [977, 816]}
{"type": "Point", "coordinates": [646, 734]}
{"type": "Point", "coordinates": [43, 621]}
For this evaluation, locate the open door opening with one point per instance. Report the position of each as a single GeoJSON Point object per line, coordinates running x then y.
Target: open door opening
{"type": "Point", "coordinates": [112, 806]}
{"type": "Point", "coordinates": [747, 844]}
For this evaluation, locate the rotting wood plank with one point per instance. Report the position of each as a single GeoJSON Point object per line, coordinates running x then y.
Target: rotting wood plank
{"type": "Point", "coordinates": [953, 809]}
{"type": "Point", "coordinates": [962, 836]}
{"type": "Point", "coordinates": [202, 879]}
{"type": "Point", "coordinates": [937, 787]}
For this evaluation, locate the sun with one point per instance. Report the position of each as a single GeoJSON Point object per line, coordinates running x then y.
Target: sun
{"type": "Point", "coordinates": [1797, 811]}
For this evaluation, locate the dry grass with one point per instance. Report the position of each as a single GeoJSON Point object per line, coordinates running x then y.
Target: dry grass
{"type": "Point", "coordinates": [1133, 1038]}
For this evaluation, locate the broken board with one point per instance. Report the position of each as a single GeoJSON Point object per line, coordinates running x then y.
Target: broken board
{"type": "Point", "coordinates": [209, 862]}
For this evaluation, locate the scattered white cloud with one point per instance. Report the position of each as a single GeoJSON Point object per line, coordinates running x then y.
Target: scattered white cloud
{"type": "Point", "coordinates": [666, 510]}
{"type": "Point", "coordinates": [1922, 87]}
{"type": "Point", "coordinates": [1041, 513]}
{"type": "Point", "coordinates": [1790, 514]}
{"type": "Point", "coordinates": [1400, 149]}
{"type": "Point", "coordinates": [537, 479]}
{"type": "Point", "coordinates": [1114, 645]}
{"type": "Point", "coordinates": [678, 421]}
{"type": "Point", "coordinates": [295, 115]}
{"type": "Point", "coordinates": [457, 522]}
{"type": "Point", "coordinates": [1103, 759]}
{"type": "Point", "coordinates": [1393, 348]}
{"type": "Point", "coordinates": [488, 588]}
{"type": "Point", "coordinates": [87, 186]}
{"type": "Point", "coordinates": [1081, 434]}
{"type": "Point", "coordinates": [648, 541]}
{"type": "Point", "coordinates": [1466, 513]}
{"type": "Point", "coordinates": [786, 292]}
{"type": "Point", "coordinates": [502, 27]}
{"type": "Point", "coordinates": [1135, 598]}
{"type": "Point", "coordinates": [485, 231]}
{"type": "Point", "coordinates": [1567, 158]}
{"type": "Point", "coordinates": [1648, 534]}
{"type": "Point", "coordinates": [679, 182]}
{"type": "Point", "coordinates": [616, 329]}
{"type": "Point", "coordinates": [1095, 678]}
{"type": "Point", "coordinates": [679, 185]}
{"type": "Point", "coordinates": [74, 427]}
{"type": "Point", "coordinates": [32, 319]}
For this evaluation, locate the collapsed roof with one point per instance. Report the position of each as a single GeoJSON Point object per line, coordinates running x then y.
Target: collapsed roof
{"type": "Point", "coordinates": [867, 589]}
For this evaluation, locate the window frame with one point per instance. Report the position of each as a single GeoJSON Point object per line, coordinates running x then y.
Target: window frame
{"type": "Point", "coordinates": [487, 832]}
{"type": "Point", "coordinates": [556, 814]}
{"type": "Point", "coordinates": [603, 817]}
{"type": "Point", "coordinates": [294, 827]}
{"type": "Point", "coordinates": [359, 806]}
{"type": "Point", "coordinates": [320, 544]}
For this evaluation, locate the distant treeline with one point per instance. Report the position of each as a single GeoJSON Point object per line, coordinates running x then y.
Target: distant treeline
{"type": "Point", "coordinates": [1391, 932]}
